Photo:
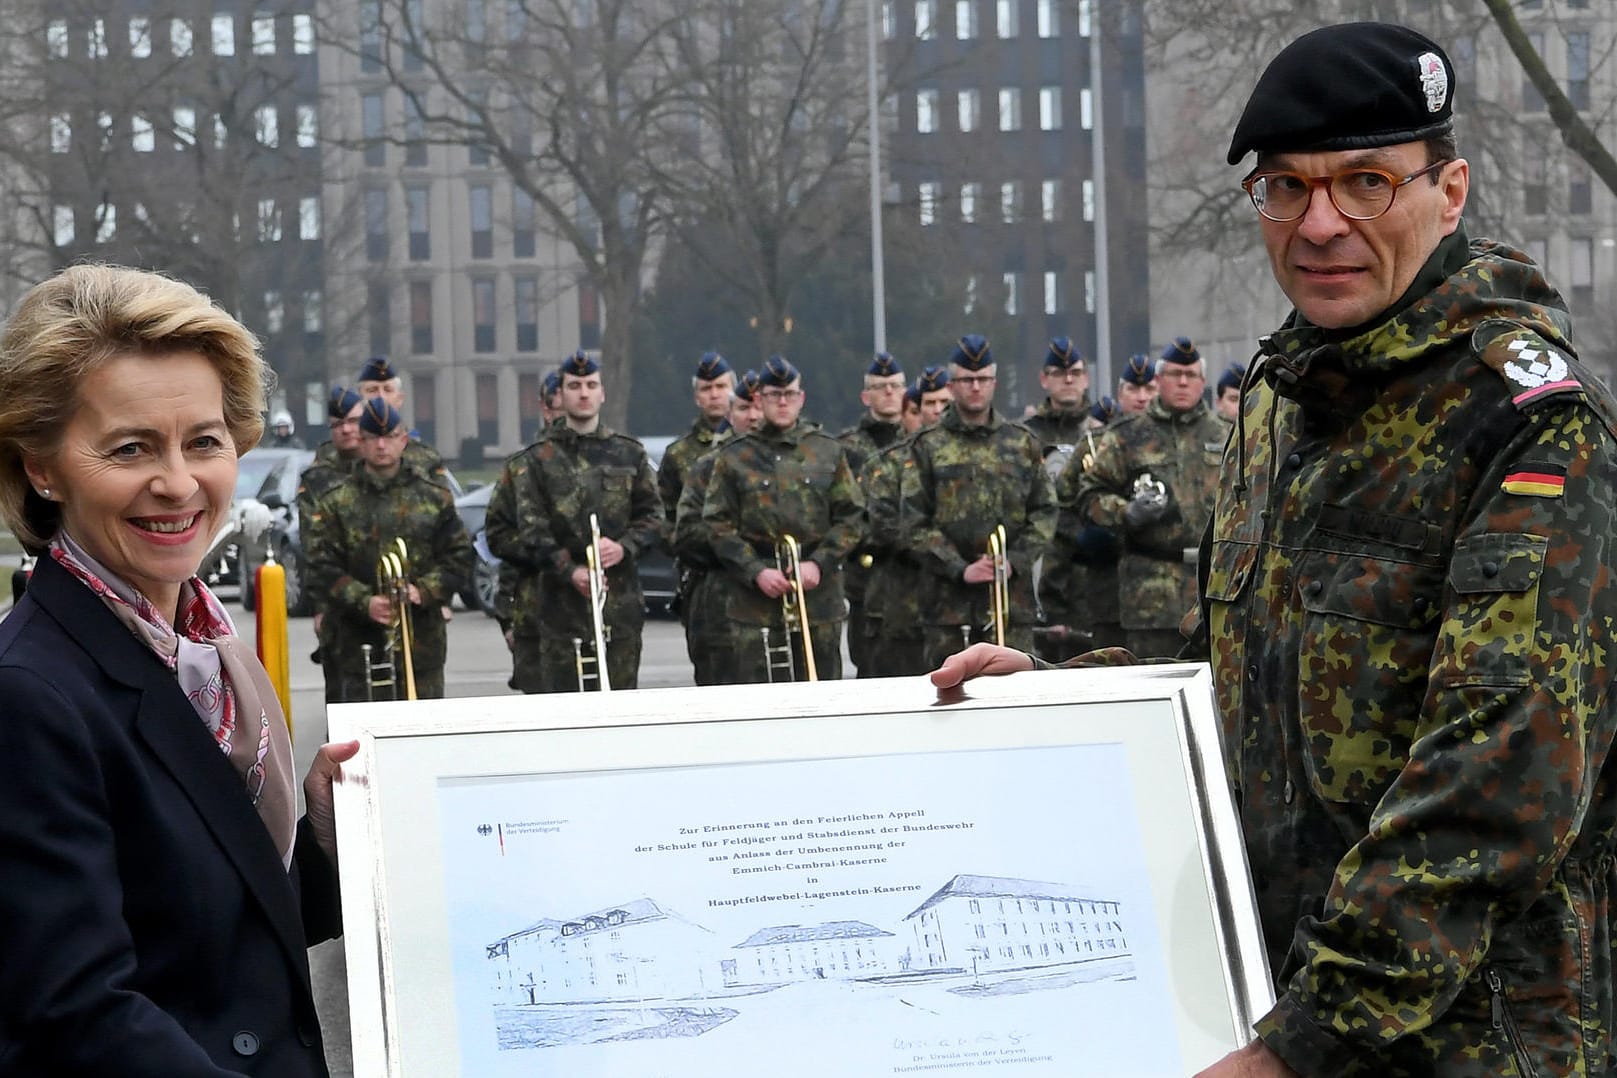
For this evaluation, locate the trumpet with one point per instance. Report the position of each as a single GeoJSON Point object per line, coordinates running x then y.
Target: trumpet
{"type": "Point", "coordinates": [794, 614]}
{"type": "Point", "coordinates": [393, 582]}
{"type": "Point", "coordinates": [594, 667]}
{"type": "Point", "coordinates": [1000, 616]}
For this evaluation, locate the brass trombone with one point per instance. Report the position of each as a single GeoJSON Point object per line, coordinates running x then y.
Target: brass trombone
{"type": "Point", "coordinates": [1000, 593]}
{"type": "Point", "coordinates": [393, 583]}
{"type": "Point", "coordinates": [594, 667]}
{"type": "Point", "coordinates": [794, 614]}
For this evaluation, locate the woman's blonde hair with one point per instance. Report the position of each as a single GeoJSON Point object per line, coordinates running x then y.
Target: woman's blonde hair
{"type": "Point", "coordinates": [69, 325]}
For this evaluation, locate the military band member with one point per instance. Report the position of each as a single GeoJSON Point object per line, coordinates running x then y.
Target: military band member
{"type": "Point", "coordinates": [345, 536]}
{"type": "Point", "coordinates": [1227, 394]}
{"type": "Point", "coordinates": [1064, 414]}
{"type": "Point", "coordinates": [711, 386]}
{"type": "Point", "coordinates": [577, 468]}
{"type": "Point", "coordinates": [1137, 384]}
{"type": "Point", "coordinates": [550, 400]}
{"type": "Point", "coordinates": [975, 472]}
{"type": "Point", "coordinates": [878, 428]}
{"type": "Point", "coordinates": [334, 462]}
{"type": "Point", "coordinates": [787, 477]}
{"type": "Point", "coordinates": [709, 640]}
{"type": "Point", "coordinates": [378, 378]}
{"type": "Point", "coordinates": [1153, 482]}
{"type": "Point", "coordinates": [1086, 613]}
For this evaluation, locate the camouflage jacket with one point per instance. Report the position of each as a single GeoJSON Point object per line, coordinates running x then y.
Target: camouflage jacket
{"type": "Point", "coordinates": [774, 482]}
{"type": "Point", "coordinates": [894, 592]}
{"type": "Point", "coordinates": [425, 459]}
{"type": "Point", "coordinates": [1156, 575]}
{"type": "Point", "coordinates": [568, 476]}
{"type": "Point", "coordinates": [693, 540]}
{"type": "Point", "coordinates": [865, 440]}
{"type": "Point", "coordinates": [680, 456]}
{"type": "Point", "coordinates": [517, 597]}
{"type": "Point", "coordinates": [1411, 611]}
{"type": "Point", "coordinates": [348, 530]}
{"type": "Point", "coordinates": [1080, 571]}
{"type": "Point", "coordinates": [325, 473]}
{"type": "Point", "coordinates": [968, 479]}
{"type": "Point", "coordinates": [1053, 427]}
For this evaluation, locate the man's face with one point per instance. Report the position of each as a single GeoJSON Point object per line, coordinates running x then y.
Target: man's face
{"type": "Point", "coordinates": [1339, 272]}
{"type": "Point", "coordinates": [1181, 385]}
{"type": "Point", "coordinates": [744, 415]}
{"type": "Point", "coordinates": [345, 431]}
{"type": "Point", "coordinates": [973, 392]}
{"type": "Point", "coordinates": [550, 406]}
{"type": "Point", "coordinates": [933, 404]}
{"type": "Point", "coordinates": [1229, 403]}
{"type": "Point", "coordinates": [781, 407]}
{"type": "Point", "coordinates": [1066, 388]}
{"type": "Point", "coordinates": [884, 396]}
{"type": "Point", "coordinates": [582, 396]}
{"type": "Point", "coordinates": [713, 397]}
{"type": "Point", "coordinates": [391, 391]}
{"type": "Point", "coordinates": [382, 452]}
{"type": "Point", "coordinates": [910, 417]}
{"type": "Point", "coordinates": [1133, 398]}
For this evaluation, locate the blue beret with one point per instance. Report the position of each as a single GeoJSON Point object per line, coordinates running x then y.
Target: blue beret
{"type": "Point", "coordinates": [933, 378]}
{"type": "Point", "coordinates": [1063, 354]}
{"type": "Point", "coordinates": [747, 385]}
{"type": "Point", "coordinates": [1105, 409]}
{"type": "Point", "coordinates": [379, 417]}
{"type": "Point", "coordinates": [579, 364]}
{"type": "Point", "coordinates": [1353, 86]}
{"type": "Point", "coordinates": [552, 383]}
{"type": "Point", "coordinates": [972, 352]}
{"type": "Point", "coordinates": [1232, 376]}
{"type": "Point", "coordinates": [1139, 370]}
{"type": "Point", "coordinates": [1182, 351]}
{"type": "Point", "coordinates": [884, 366]}
{"type": "Point", "coordinates": [377, 369]}
{"type": "Point", "coordinates": [711, 366]}
{"type": "Point", "coordinates": [778, 372]}
{"type": "Point", "coordinates": [912, 392]}
{"type": "Point", "coordinates": [340, 401]}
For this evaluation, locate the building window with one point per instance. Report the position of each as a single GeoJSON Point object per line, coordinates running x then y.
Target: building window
{"type": "Point", "coordinates": [488, 432]}
{"type": "Point", "coordinates": [376, 225]}
{"type": "Point", "coordinates": [925, 19]}
{"type": "Point", "coordinates": [927, 197]}
{"type": "Point", "coordinates": [418, 211]}
{"type": "Point", "coordinates": [379, 316]}
{"type": "Point", "coordinates": [970, 104]}
{"type": "Point", "coordinates": [528, 409]}
{"type": "Point", "coordinates": [106, 223]}
{"type": "Point", "coordinates": [303, 35]}
{"type": "Point", "coordinates": [1013, 297]}
{"type": "Point", "coordinates": [1050, 200]}
{"type": "Point", "coordinates": [185, 126]}
{"type": "Point", "coordinates": [98, 39]}
{"type": "Point", "coordinates": [970, 193]}
{"type": "Point", "coordinates": [1577, 69]}
{"type": "Point", "coordinates": [1582, 250]}
{"type": "Point", "coordinates": [62, 225]}
{"type": "Point", "coordinates": [524, 241]}
{"type": "Point", "coordinates": [527, 313]}
{"type": "Point", "coordinates": [424, 392]}
{"type": "Point", "coordinates": [1084, 13]}
{"type": "Point", "coordinates": [372, 129]}
{"type": "Point", "coordinates": [57, 39]}
{"type": "Point", "coordinates": [61, 133]}
{"type": "Point", "coordinates": [476, 31]}
{"type": "Point", "coordinates": [308, 126]}
{"type": "Point", "coordinates": [313, 312]}
{"type": "Point", "coordinates": [969, 306]}
{"type": "Point", "coordinates": [1579, 196]}
{"type": "Point", "coordinates": [482, 214]}
{"type": "Point", "coordinates": [1010, 201]}
{"type": "Point", "coordinates": [370, 36]}
{"type": "Point", "coordinates": [1532, 100]}
{"type": "Point", "coordinates": [1050, 108]}
{"type": "Point", "coordinates": [179, 37]}
{"type": "Point", "coordinates": [516, 21]}
{"type": "Point", "coordinates": [1086, 109]}
{"type": "Point", "coordinates": [1010, 109]}
{"type": "Point", "coordinates": [965, 19]}
{"type": "Point", "coordinates": [1089, 200]}
{"type": "Point", "coordinates": [263, 35]}
{"type": "Point", "coordinates": [1535, 189]}
{"type": "Point", "coordinates": [1089, 291]}
{"type": "Point", "coordinates": [224, 35]}
{"type": "Point", "coordinates": [1049, 19]}
{"type": "Point", "coordinates": [266, 124]}
{"type": "Point", "coordinates": [421, 317]}
{"type": "Point", "coordinates": [1052, 292]}
{"type": "Point", "coordinates": [926, 111]}
{"type": "Point", "coordinates": [1005, 20]}
{"type": "Point", "coordinates": [140, 37]}
{"type": "Point", "coordinates": [483, 314]}
{"type": "Point", "coordinates": [308, 218]}
{"type": "Point", "coordinates": [269, 221]}
{"type": "Point", "coordinates": [415, 132]}
{"type": "Point", "coordinates": [274, 312]}
{"type": "Point", "coordinates": [889, 20]}
{"type": "Point", "coordinates": [414, 27]}
{"type": "Point", "coordinates": [477, 154]}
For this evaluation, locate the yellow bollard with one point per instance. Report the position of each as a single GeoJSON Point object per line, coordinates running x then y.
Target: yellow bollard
{"type": "Point", "coordinates": [273, 647]}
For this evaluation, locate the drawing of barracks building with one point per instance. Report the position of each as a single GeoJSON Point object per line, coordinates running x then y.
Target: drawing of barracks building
{"type": "Point", "coordinates": [835, 950]}
{"type": "Point", "coordinates": [983, 923]}
{"type": "Point", "coordinates": [631, 952]}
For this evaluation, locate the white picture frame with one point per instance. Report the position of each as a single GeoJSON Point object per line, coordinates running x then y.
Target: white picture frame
{"type": "Point", "coordinates": [799, 880]}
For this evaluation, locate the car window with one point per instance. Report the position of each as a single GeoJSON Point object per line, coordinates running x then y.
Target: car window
{"type": "Point", "coordinates": [253, 472]}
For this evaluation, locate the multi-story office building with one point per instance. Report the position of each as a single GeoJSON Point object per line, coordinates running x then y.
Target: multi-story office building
{"type": "Point", "coordinates": [992, 146]}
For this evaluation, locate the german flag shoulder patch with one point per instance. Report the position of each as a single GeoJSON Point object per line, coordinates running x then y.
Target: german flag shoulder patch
{"type": "Point", "coordinates": [1536, 480]}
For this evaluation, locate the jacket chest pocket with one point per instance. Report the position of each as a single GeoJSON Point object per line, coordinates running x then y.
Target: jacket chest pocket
{"type": "Point", "coordinates": [1490, 632]}
{"type": "Point", "coordinates": [616, 494]}
{"type": "Point", "coordinates": [1369, 625]}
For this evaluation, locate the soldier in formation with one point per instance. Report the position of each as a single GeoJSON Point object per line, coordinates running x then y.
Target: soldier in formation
{"type": "Point", "coordinates": [333, 464]}
{"type": "Point", "coordinates": [1227, 394]}
{"type": "Point", "coordinates": [1136, 384]}
{"type": "Point", "coordinates": [878, 428]}
{"type": "Point", "coordinates": [378, 378]}
{"type": "Point", "coordinates": [345, 536]}
{"type": "Point", "coordinates": [712, 385]}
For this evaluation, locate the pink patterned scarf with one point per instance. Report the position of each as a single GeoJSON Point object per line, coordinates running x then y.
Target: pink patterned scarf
{"type": "Point", "coordinates": [224, 681]}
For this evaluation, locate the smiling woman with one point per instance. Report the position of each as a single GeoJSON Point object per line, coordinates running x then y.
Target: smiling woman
{"type": "Point", "coordinates": [159, 892]}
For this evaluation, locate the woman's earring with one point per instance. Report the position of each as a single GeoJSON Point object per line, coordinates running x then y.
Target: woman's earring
{"type": "Point", "coordinates": [45, 493]}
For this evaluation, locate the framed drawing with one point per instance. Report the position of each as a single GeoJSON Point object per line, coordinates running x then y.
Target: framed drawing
{"type": "Point", "coordinates": [1042, 877]}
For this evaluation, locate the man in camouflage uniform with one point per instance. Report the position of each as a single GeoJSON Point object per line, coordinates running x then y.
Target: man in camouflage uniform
{"type": "Point", "coordinates": [712, 386]}
{"type": "Point", "coordinates": [378, 378]}
{"type": "Point", "coordinates": [878, 428]}
{"type": "Point", "coordinates": [1136, 384]}
{"type": "Point", "coordinates": [345, 535]}
{"type": "Point", "coordinates": [334, 461]}
{"type": "Point", "coordinates": [787, 477]}
{"type": "Point", "coordinates": [1081, 604]}
{"type": "Point", "coordinates": [1227, 394]}
{"type": "Point", "coordinates": [973, 472]}
{"type": "Point", "coordinates": [896, 640]}
{"type": "Point", "coordinates": [1063, 416]}
{"type": "Point", "coordinates": [709, 639]}
{"type": "Point", "coordinates": [576, 469]}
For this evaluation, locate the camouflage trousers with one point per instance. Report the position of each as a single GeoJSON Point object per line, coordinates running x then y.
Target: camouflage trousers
{"type": "Point", "coordinates": [899, 651]}
{"type": "Point", "coordinates": [558, 661]}
{"type": "Point", "coordinates": [752, 662]}
{"type": "Point", "coordinates": [708, 642]}
{"type": "Point", "coordinates": [942, 641]}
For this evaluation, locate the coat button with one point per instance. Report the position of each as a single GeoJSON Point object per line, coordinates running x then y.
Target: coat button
{"type": "Point", "coordinates": [245, 1043]}
{"type": "Point", "coordinates": [1314, 587]}
{"type": "Point", "coordinates": [1490, 569]}
{"type": "Point", "coordinates": [1252, 672]}
{"type": "Point", "coordinates": [1294, 461]}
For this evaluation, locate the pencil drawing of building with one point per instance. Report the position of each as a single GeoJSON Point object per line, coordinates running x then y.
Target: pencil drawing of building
{"type": "Point", "coordinates": [834, 950]}
{"type": "Point", "coordinates": [983, 923]}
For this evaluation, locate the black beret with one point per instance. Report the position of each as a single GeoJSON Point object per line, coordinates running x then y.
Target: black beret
{"type": "Point", "coordinates": [379, 417]}
{"type": "Point", "coordinates": [1139, 370]}
{"type": "Point", "coordinates": [579, 364]}
{"type": "Point", "coordinates": [778, 373]}
{"type": "Point", "coordinates": [1353, 86]}
{"type": "Point", "coordinates": [1063, 355]}
{"type": "Point", "coordinates": [1181, 350]}
{"type": "Point", "coordinates": [884, 366]}
{"type": "Point", "coordinates": [377, 369]}
{"type": "Point", "coordinates": [341, 402]}
{"type": "Point", "coordinates": [711, 367]}
{"type": "Point", "coordinates": [1232, 376]}
{"type": "Point", "coordinates": [972, 352]}
{"type": "Point", "coordinates": [552, 383]}
{"type": "Point", "coordinates": [746, 385]}
{"type": "Point", "coordinates": [933, 378]}
{"type": "Point", "coordinates": [1105, 410]}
